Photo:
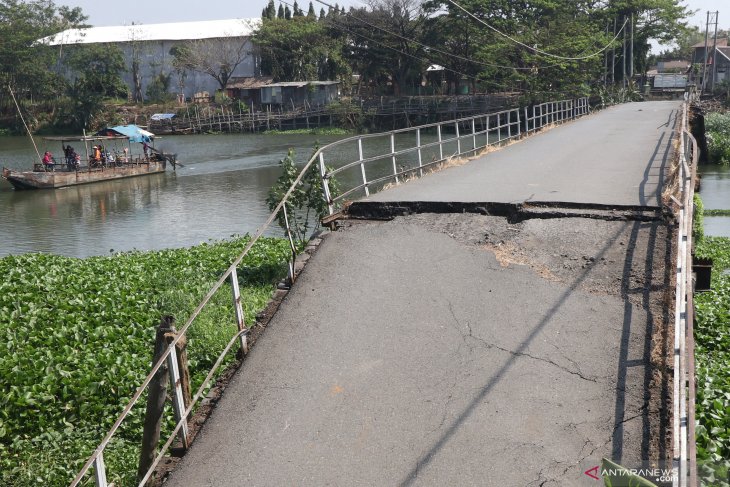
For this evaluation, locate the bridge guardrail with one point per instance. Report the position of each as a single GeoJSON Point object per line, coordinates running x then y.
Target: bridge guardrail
{"type": "Point", "coordinates": [500, 126]}
{"type": "Point", "coordinates": [402, 153]}
{"type": "Point", "coordinates": [684, 461]}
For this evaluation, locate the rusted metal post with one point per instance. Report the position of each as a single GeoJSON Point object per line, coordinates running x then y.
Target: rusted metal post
{"type": "Point", "coordinates": [156, 394]}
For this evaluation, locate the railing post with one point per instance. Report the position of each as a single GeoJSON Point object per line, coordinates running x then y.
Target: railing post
{"type": "Point", "coordinates": [100, 471]}
{"type": "Point", "coordinates": [392, 151]}
{"type": "Point", "coordinates": [458, 139]}
{"type": "Point", "coordinates": [325, 184]}
{"type": "Point", "coordinates": [527, 122]}
{"type": "Point", "coordinates": [362, 167]}
{"type": "Point", "coordinates": [499, 128]}
{"type": "Point", "coordinates": [519, 123]}
{"type": "Point", "coordinates": [474, 134]}
{"type": "Point", "coordinates": [156, 394]}
{"type": "Point", "coordinates": [509, 124]}
{"type": "Point", "coordinates": [420, 157]}
{"type": "Point", "coordinates": [238, 307]}
{"type": "Point", "coordinates": [441, 145]}
{"type": "Point", "coordinates": [293, 247]}
{"type": "Point", "coordinates": [178, 400]}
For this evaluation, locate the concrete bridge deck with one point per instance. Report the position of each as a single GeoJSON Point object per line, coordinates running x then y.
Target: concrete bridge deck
{"type": "Point", "coordinates": [462, 349]}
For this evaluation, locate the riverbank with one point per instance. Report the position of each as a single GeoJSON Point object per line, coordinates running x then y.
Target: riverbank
{"type": "Point", "coordinates": [79, 336]}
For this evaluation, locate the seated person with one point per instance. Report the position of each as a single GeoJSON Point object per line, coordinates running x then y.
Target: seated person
{"type": "Point", "coordinates": [48, 161]}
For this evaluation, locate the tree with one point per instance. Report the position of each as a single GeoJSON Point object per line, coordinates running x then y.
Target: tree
{"type": "Point", "coordinates": [310, 13]}
{"type": "Point", "coordinates": [382, 41]}
{"type": "Point", "coordinates": [300, 49]}
{"type": "Point", "coordinates": [269, 11]}
{"type": "Point", "coordinates": [217, 58]}
{"type": "Point", "coordinates": [25, 65]}
{"type": "Point", "coordinates": [280, 13]}
{"type": "Point", "coordinates": [97, 69]}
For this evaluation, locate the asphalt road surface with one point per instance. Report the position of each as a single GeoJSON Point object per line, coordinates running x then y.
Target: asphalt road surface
{"type": "Point", "coordinates": [461, 349]}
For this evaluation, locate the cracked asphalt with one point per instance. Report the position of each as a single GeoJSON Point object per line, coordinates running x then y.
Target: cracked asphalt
{"type": "Point", "coordinates": [455, 349]}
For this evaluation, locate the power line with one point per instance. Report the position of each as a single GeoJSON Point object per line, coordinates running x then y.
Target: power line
{"type": "Point", "coordinates": [534, 49]}
{"type": "Point", "coordinates": [434, 49]}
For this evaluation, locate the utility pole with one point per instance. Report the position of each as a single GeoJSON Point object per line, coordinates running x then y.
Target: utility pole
{"type": "Point", "coordinates": [623, 57]}
{"type": "Point", "coordinates": [605, 62]}
{"type": "Point", "coordinates": [706, 54]}
{"type": "Point", "coordinates": [613, 55]}
{"type": "Point", "coordinates": [714, 54]}
{"type": "Point", "coordinates": [631, 49]}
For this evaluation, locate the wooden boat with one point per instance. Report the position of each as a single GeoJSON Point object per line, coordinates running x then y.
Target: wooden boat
{"type": "Point", "coordinates": [108, 164]}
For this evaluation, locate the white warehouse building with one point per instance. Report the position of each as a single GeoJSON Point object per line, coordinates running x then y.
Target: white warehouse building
{"type": "Point", "coordinates": [151, 45]}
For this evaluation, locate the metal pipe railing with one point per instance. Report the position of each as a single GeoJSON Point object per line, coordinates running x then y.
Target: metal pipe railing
{"type": "Point", "coordinates": [506, 120]}
{"type": "Point", "coordinates": [496, 128]}
{"type": "Point", "coordinates": [683, 387]}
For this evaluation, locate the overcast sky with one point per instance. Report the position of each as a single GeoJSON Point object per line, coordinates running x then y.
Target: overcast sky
{"type": "Point", "coordinates": [160, 11]}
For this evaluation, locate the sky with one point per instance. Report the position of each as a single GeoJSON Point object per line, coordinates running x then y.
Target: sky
{"type": "Point", "coordinates": [161, 11]}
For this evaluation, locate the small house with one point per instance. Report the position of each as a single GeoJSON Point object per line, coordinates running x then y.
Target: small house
{"type": "Point", "coordinates": [718, 62]}
{"type": "Point", "coordinates": [247, 89]}
{"type": "Point", "coordinates": [298, 93]}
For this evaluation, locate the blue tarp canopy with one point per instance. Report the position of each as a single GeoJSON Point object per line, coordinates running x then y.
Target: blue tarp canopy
{"type": "Point", "coordinates": [162, 116]}
{"type": "Point", "coordinates": [132, 132]}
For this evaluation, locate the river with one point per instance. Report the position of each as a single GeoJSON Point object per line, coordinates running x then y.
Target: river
{"type": "Point", "coordinates": [715, 191]}
{"type": "Point", "coordinates": [220, 191]}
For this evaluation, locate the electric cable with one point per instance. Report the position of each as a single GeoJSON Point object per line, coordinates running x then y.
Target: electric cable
{"type": "Point", "coordinates": [534, 49]}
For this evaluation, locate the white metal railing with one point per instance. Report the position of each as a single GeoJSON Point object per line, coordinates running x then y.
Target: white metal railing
{"type": "Point", "coordinates": [683, 463]}
{"type": "Point", "coordinates": [385, 162]}
{"type": "Point", "coordinates": [181, 412]}
{"type": "Point", "coordinates": [467, 132]}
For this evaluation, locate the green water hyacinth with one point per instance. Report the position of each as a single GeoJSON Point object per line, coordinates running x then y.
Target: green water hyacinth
{"type": "Point", "coordinates": [76, 339]}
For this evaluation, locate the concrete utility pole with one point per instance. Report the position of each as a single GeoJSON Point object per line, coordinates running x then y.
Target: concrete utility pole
{"type": "Point", "coordinates": [714, 54]}
{"type": "Point", "coordinates": [613, 56]}
{"type": "Point", "coordinates": [631, 49]}
{"type": "Point", "coordinates": [623, 58]}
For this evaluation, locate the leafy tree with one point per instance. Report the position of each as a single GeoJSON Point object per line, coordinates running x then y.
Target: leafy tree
{"type": "Point", "coordinates": [26, 65]}
{"type": "Point", "coordinates": [287, 13]}
{"type": "Point", "coordinates": [97, 69]}
{"type": "Point", "coordinates": [270, 11]}
{"type": "Point", "coordinates": [299, 49]}
{"type": "Point", "coordinates": [310, 13]}
{"type": "Point", "coordinates": [381, 43]}
{"type": "Point", "coordinates": [280, 13]}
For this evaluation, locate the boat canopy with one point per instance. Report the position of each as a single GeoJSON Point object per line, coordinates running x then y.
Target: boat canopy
{"type": "Point", "coordinates": [132, 132]}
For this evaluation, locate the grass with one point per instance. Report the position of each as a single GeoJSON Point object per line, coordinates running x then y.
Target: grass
{"type": "Point", "coordinates": [717, 212]}
{"type": "Point", "coordinates": [712, 368]}
{"type": "Point", "coordinates": [76, 340]}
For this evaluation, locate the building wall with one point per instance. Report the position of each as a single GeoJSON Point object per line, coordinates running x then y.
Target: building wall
{"type": "Point", "coordinates": [155, 58]}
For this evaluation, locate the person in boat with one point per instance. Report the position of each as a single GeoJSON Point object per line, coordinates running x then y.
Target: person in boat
{"type": "Point", "coordinates": [96, 156]}
{"type": "Point", "coordinates": [71, 156]}
{"type": "Point", "coordinates": [146, 149]}
{"type": "Point", "coordinates": [48, 161]}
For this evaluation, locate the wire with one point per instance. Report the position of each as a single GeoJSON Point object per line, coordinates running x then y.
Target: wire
{"type": "Point", "coordinates": [534, 49]}
{"type": "Point", "coordinates": [455, 56]}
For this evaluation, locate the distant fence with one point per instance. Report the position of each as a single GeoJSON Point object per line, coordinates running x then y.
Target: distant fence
{"type": "Point", "coordinates": [376, 111]}
{"type": "Point", "coordinates": [457, 137]}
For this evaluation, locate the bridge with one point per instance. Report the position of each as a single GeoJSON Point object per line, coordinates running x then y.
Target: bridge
{"type": "Point", "coordinates": [502, 321]}
{"type": "Point", "coordinates": [455, 347]}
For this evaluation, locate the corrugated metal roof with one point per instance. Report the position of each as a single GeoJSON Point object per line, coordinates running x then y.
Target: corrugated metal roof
{"type": "Point", "coordinates": [249, 83]}
{"type": "Point", "coordinates": [721, 42]}
{"type": "Point", "coordinates": [299, 84]}
{"type": "Point", "coordinates": [178, 31]}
